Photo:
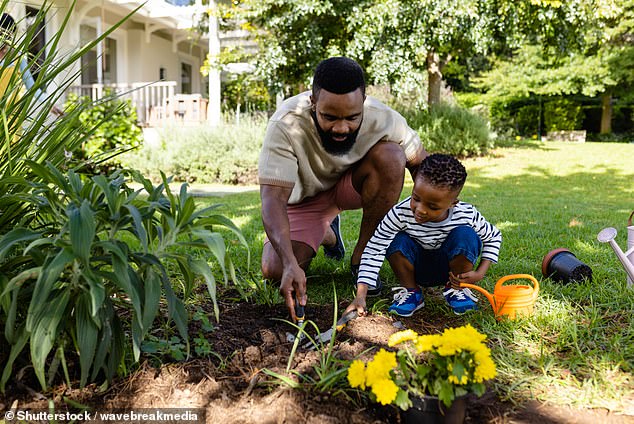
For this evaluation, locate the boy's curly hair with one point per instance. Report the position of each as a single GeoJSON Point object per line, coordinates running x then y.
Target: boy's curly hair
{"type": "Point", "coordinates": [442, 170]}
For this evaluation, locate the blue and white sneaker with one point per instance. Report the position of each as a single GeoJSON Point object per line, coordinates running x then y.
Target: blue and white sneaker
{"type": "Point", "coordinates": [406, 301]}
{"type": "Point", "coordinates": [338, 251]}
{"type": "Point", "coordinates": [461, 301]}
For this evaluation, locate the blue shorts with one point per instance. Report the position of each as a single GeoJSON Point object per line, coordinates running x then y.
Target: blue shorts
{"type": "Point", "coordinates": [431, 267]}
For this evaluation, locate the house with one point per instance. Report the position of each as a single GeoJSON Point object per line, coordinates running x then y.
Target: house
{"type": "Point", "coordinates": [154, 57]}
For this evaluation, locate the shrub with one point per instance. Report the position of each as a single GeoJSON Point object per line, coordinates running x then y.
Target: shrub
{"type": "Point", "coordinates": [452, 130]}
{"type": "Point", "coordinates": [98, 251]}
{"type": "Point", "coordinates": [110, 123]}
{"type": "Point", "coordinates": [562, 115]}
{"type": "Point", "coordinates": [224, 154]}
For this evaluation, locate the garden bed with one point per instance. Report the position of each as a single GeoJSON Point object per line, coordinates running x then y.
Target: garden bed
{"type": "Point", "coordinates": [231, 388]}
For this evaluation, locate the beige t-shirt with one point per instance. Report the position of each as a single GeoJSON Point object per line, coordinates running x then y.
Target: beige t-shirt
{"type": "Point", "coordinates": [292, 154]}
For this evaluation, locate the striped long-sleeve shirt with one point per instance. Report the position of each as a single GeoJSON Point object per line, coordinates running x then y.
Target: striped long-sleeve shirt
{"type": "Point", "coordinates": [429, 235]}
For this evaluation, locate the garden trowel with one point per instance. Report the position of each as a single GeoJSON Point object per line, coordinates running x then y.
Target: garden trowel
{"type": "Point", "coordinates": [326, 335]}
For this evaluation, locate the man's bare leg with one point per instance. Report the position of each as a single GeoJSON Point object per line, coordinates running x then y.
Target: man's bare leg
{"type": "Point", "coordinates": [379, 179]}
{"type": "Point", "coordinates": [272, 265]}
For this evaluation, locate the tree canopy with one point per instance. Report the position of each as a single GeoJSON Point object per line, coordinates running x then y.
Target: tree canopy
{"type": "Point", "coordinates": [400, 42]}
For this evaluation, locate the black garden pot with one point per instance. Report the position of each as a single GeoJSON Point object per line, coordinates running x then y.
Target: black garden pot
{"type": "Point", "coordinates": [430, 410]}
{"type": "Point", "coordinates": [562, 265]}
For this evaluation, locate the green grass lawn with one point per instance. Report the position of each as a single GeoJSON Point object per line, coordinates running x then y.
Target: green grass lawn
{"type": "Point", "coordinates": [578, 348]}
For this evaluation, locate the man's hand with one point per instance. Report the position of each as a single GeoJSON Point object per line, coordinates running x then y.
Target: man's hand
{"type": "Point", "coordinates": [293, 288]}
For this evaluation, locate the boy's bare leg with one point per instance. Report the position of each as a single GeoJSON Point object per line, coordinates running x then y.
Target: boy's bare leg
{"type": "Point", "coordinates": [403, 270]}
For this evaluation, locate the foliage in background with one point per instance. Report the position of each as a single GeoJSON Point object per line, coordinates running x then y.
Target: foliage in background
{"type": "Point", "coordinates": [27, 131]}
{"type": "Point", "coordinates": [451, 129]}
{"type": "Point", "coordinates": [561, 115]}
{"type": "Point", "coordinates": [400, 42]}
{"type": "Point", "coordinates": [226, 154]}
{"type": "Point", "coordinates": [110, 126]}
{"type": "Point", "coordinates": [96, 252]}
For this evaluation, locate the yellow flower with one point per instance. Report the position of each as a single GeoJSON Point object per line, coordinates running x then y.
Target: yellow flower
{"type": "Point", "coordinates": [427, 342]}
{"type": "Point", "coordinates": [379, 368]}
{"type": "Point", "coordinates": [455, 340]}
{"type": "Point", "coordinates": [486, 367]}
{"type": "Point", "coordinates": [356, 374]}
{"type": "Point", "coordinates": [463, 380]}
{"type": "Point", "coordinates": [385, 391]}
{"type": "Point", "coordinates": [402, 336]}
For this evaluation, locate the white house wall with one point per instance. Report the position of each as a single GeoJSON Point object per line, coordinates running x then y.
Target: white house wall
{"type": "Point", "coordinates": [139, 55]}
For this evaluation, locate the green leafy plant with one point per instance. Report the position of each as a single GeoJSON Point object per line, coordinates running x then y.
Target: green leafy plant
{"type": "Point", "coordinates": [96, 250]}
{"type": "Point", "coordinates": [26, 129]}
{"type": "Point", "coordinates": [447, 365]}
{"type": "Point", "coordinates": [451, 129]}
{"type": "Point", "coordinates": [111, 124]}
{"type": "Point", "coordinates": [223, 154]}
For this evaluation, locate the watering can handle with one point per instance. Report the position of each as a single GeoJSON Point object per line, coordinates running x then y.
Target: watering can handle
{"type": "Point", "coordinates": [517, 277]}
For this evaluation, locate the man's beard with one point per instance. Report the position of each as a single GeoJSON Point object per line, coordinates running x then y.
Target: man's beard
{"type": "Point", "coordinates": [334, 147]}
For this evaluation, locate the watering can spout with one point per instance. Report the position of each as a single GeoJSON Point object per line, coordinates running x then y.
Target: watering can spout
{"type": "Point", "coordinates": [607, 235]}
{"type": "Point", "coordinates": [486, 294]}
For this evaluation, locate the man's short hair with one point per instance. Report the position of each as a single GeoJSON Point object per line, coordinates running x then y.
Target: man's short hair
{"type": "Point", "coordinates": [442, 170]}
{"type": "Point", "coordinates": [338, 75]}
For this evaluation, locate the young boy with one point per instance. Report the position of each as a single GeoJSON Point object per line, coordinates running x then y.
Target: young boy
{"type": "Point", "coordinates": [430, 239]}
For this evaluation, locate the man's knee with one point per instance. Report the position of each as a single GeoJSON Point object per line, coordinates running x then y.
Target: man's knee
{"type": "Point", "coordinates": [270, 271]}
{"type": "Point", "coordinates": [388, 159]}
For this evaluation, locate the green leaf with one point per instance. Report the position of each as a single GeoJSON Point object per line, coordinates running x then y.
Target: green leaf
{"type": "Point", "coordinates": [44, 331]}
{"type": "Point", "coordinates": [445, 394]}
{"type": "Point", "coordinates": [82, 229]}
{"type": "Point", "coordinates": [97, 290]}
{"type": "Point", "coordinates": [87, 333]}
{"type": "Point", "coordinates": [216, 245]}
{"type": "Point", "coordinates": [45, 284]}
{"type": "Point", "coordinates": [14, 237]}
{"type": "Point", "coordinates": [402, 400]}
{"type": "Point", "coordinates": [176, 309]}
{"type": "Point", "coordinates": [139, 229]}
{"type": "Point", "coordinates": [20, 342]}
{"type": "Point", "coordinates": [201, 267]}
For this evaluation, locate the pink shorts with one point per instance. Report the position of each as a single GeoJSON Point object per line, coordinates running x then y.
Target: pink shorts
{"type": "Point", "coordinates": [310, 219]}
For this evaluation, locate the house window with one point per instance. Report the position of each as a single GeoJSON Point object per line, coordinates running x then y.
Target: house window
{"type": "Point", "coordinates": [37, 45]}
{"type": "Point", "coordinates": [186, 78]}
{"type": "Point", "coordinates": [90, 63]}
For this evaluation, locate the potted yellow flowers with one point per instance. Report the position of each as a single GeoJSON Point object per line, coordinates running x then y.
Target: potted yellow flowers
{"type": "Point", "coordinates": [427, 372]}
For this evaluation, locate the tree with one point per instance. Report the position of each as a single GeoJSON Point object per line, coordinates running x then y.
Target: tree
{"type": "Point", "coordinates": [600, 65]}
{"type": "Point", "coordinates": [400, 41]}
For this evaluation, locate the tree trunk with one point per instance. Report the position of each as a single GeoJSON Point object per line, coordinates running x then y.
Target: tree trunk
{"type": "Point", "coordinates": [434, 78]}
{"type": "Point", "coordinates": [606, 113]}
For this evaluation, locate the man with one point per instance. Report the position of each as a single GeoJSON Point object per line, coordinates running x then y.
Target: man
{"type": "Point", "coordinates": [325, 151]}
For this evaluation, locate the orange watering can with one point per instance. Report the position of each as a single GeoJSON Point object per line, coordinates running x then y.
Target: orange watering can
{"type": "Point", "coordinates": [511, 300]}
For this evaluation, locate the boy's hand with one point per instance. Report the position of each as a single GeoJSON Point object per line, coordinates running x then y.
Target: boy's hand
{"type": "Point", "coordinates": [470, 277]}
{"type": "Point", "coordinates": [358, 303]}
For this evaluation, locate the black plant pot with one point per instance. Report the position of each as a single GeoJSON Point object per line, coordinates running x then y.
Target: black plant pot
{"type": "Point", "coordinates": [430, 409]}
{"type": "Point", "coordinates": [562, 265]}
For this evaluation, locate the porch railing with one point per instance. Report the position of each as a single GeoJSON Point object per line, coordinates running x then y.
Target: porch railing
{"type": "Point", "coordinates": [149, 98]}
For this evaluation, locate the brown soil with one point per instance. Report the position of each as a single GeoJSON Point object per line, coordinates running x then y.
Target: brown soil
{"type": "Point", "coordinates": [234, 390]}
